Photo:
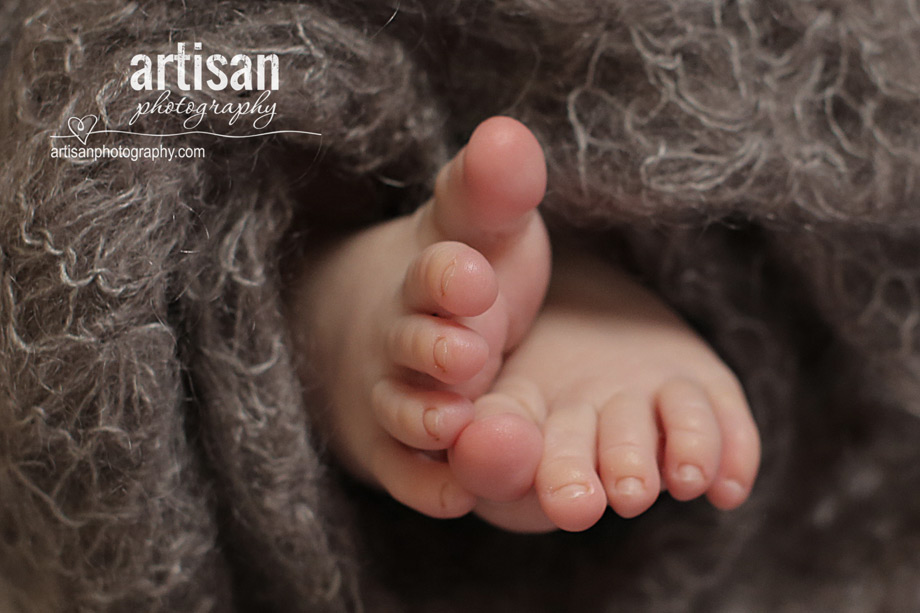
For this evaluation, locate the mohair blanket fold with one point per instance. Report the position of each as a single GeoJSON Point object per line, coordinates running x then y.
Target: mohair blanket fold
{"type": "Point", "coordinates": [757, 162]}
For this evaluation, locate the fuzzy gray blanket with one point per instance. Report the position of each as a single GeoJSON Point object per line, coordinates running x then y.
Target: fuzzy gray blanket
{"type": "Point", "coordinates": [757, 162]}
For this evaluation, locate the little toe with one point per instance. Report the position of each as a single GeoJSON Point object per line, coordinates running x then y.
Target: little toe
{"type": "Point", "coordinates": [567, 484]}
{"type": "Point", "coordinates": [497, 455]}
{"type": "Point", "coordinates": [419, 482]}
{"type": "Point", "coordinates": [627, 454]}
{"type": "Point", "coordinates": [424, 419]}
{"type": "Point", "coordinates": [441, 348]}
{"type": "Point", "coordinates": [450, 278]}
{"type": "Point", "coordinates": [740, 446]}
{"type": "Point", "coordinates": [693, 445]}
{"type": "Point", "coordinates": [490, 188]}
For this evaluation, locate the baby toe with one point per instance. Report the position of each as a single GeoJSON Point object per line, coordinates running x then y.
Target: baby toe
{"type": "Point", "coordinates": [693, 444]}
{"type": "Point", "coordinates": [740, 446]}
{"type": "Point", "coordinates": [567, 484]}
{"type": "Point", "coordinates": [441, 348]}
{"type": "Point", "coordinates": [424, 419]}
{"type": "Point", "coordinates": [419, 482]}
{"type": "Point", "coordinates": [450, 278]}
{"type": "Point", "coordinates": [627, 454]}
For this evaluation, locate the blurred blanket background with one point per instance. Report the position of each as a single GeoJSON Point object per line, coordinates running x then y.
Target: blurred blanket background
{"type": "Point", "coordinates": [757, 162]}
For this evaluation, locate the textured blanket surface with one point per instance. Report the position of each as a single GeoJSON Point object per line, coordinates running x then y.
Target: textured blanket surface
{"type": "Point", "coordinates": [757, 162]}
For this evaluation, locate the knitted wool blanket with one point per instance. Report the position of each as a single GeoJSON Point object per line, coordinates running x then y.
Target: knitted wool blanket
{"type": "Point", "coordinates": [756, 162]}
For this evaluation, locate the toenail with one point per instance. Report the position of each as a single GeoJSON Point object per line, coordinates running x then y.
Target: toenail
{"type": "Point", "coordinates": [572, 491]}
{"type": "Point", "coordinates": [450, 496]}
{"type": "Point", "coordinates": [734, 488]}
{"type": "Point", "coordinates": [448, 275]}
{"type": "Point", "coordinates": [688, 473]}
{"type": "Point", "coordinates": [432, 421]}
{"type": "Point", "coordinates": [445, 495]}
{"type": "Point", "coordinates": [440, 353]}
{"type": "Point", "coordinates": [630, 486]}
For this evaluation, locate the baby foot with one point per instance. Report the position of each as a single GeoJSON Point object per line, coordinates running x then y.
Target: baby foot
{"type": "Point", "coordinates": [630, 401]}
{"type": "Point", "coordinates": [404, 322]}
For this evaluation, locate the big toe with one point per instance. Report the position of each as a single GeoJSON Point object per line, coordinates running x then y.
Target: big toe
{"type": "Point", "coordinates": [496, 457]}
{"type": "Point", "coordinates": [490, 189]}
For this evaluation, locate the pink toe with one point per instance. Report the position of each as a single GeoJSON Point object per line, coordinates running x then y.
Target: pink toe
{"type": "Point", "coordinates": [693, 442]}
{"type": "Point", "coordinates": [420, 418]}
{"type": "Point", "coordinates": [441, 348]}
{"type": "Point", "coordinates": [577, 505]}
{"type": "Point", "coordinates": [450, 278]}
{"type": "Point", "coordinates": [503, 162]}
{"type": "Point", "coordinates": [496, 457]}
{"type": "Point", "coordinates": [740, 448]}
{"type": "Point", "coordinates": [489, 188]}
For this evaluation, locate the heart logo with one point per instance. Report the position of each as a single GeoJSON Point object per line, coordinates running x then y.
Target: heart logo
{"type": "Point", "coordinates": [82, 126]}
